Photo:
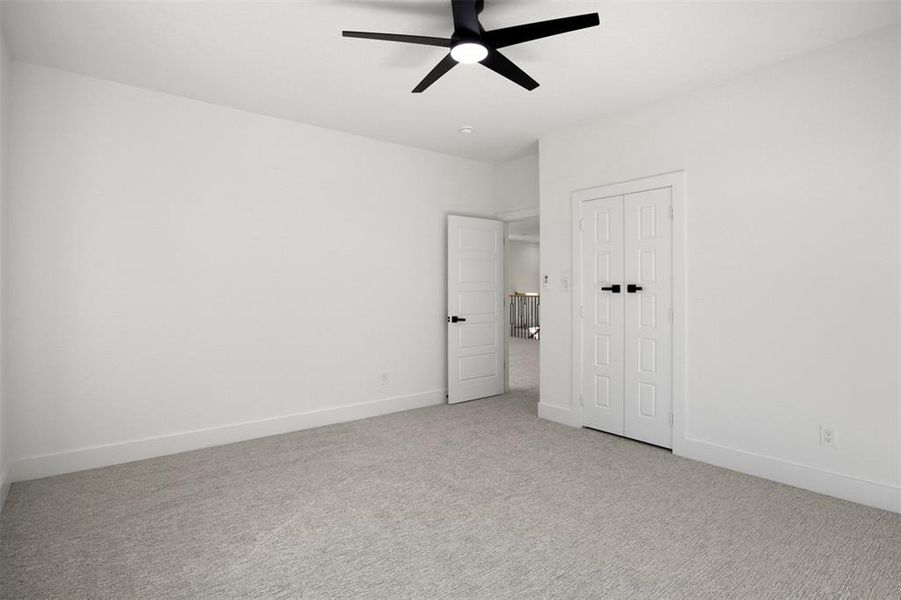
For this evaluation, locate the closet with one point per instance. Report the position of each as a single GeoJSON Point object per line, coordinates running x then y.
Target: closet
{"type": "Point", "coordinates": [625, 313]}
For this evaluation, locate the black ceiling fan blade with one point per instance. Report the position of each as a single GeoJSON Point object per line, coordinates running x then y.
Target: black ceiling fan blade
{"type": "Point", "coordinates": [399, 37]}
{"type": "Point", "coordinates": [508, 36]}
{"type": "Point", "coordinates": [466, 15]}
{"type": "Point", "coordinates": [502, 65]}
{"type": "Point", "coordinates": [446, 64]}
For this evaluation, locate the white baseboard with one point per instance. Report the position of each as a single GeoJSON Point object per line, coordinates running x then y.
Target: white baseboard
{"type": "Point", "coordinates": [862, 491]}
{"type": "Point", "coordinates": [101, 456]}
{"type": "Point", "coordinates": [4, 487]}
{"type": "Point", "coordinates": [558, 414]}
{"type": "Point", "coordinates": [846, 487]}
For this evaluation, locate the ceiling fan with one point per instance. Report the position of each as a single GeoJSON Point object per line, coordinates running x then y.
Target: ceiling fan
{"type": "Point", "coordinates": [471, 44]}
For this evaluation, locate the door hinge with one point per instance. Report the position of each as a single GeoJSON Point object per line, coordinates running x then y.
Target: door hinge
{"type": "Point", "coordinates": [581, 312]}
{"type": "Point", "coordinates": [581, 225]}
{"type": "Point", "coordinates": [671, 419]}
{"type": "Point", "coordinates": [672, 212]}
{"type": "Point", "coordinates": [670, 315]}
{"type": "Point", "coordinates": [581, 402]}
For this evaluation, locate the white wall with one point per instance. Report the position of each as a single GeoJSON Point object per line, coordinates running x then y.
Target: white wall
{"type": "Point", "coordinates": [516, 184]}
{"type": "Point", "coordinates": [792, 263]}
{"type": "Point", "coordinates": [177, 266]}
{"type": "Point", "coordinates": [522, 266]}
{"type": "Point", "coordinates": [4, 141]}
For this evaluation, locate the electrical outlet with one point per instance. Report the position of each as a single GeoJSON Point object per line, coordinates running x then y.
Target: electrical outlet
{"type": "Point", "coordinates": [386, 377]}
{"type": "Point", "coordinates": [827, 436]}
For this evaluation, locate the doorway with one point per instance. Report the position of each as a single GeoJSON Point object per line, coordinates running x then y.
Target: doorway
{"type": "Point", "coordinates": [523, 300]}
{"type": "Point", "coordinates": [493, 306]}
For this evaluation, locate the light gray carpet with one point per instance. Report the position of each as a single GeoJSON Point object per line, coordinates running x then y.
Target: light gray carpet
{"type": "Point", "coordinates": [481, 500]}
{"type": "Point", "coordinates": [523, 364]}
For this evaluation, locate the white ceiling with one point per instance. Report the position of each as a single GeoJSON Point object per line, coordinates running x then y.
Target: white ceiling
{"type": "Point", "coordinates": [289, 60]}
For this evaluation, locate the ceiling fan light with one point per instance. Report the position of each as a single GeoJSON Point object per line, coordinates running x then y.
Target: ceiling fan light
{"type": "Point", "coordinates": [469, 53]}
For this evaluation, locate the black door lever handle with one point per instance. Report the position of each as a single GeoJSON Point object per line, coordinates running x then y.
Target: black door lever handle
{"type": "Point", "coordinates": [455, 319]}
{"type": "Point", "coordinates": [615, 288]}
{"type": "Point", "coordinates": [632, 288]}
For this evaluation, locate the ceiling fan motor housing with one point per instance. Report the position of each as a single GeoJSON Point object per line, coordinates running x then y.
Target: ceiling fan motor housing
{"type": "Point", "coordinates": [470, 43]}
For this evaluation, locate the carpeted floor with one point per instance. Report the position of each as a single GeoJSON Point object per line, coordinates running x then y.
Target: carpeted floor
{"type": "Point", "coordinates": [480, 500]}
{"type": "Point", "coordinates": [523, 364]}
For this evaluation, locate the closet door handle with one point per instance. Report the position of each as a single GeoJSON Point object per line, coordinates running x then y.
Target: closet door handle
{"type": "Point", "coordinates": [632, 288]}
{"type": "Point", "coordinates": [615, 288]}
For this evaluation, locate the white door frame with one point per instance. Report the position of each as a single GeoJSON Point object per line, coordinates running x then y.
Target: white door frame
{"type": "Point", "coordinates": [676, 181]}
{"type": "Point", "coordinates": [508, 217]}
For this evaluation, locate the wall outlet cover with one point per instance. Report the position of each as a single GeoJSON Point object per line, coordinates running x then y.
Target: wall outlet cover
{"type": "Point", "coordinates": [827, 436]}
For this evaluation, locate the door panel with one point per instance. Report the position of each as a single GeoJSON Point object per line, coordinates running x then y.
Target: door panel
{"type": "Point", "coordinates": [602, 334]}
{"type": "Point", "coordinates": [475, 280]}
{"type": "Point", "coordinates": [648, 328]}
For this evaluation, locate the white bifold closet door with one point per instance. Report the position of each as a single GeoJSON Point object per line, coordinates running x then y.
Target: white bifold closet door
{"type": "Point", "coordinates": [626, 275]}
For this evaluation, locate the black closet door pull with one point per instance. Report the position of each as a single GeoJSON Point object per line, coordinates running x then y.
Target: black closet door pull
{"type": "Point", "coordinates": [615, 288]}
{"type": "Point", "coordinates": [456, 319]}
{"type": "Point", "coordinates": [632, 288]}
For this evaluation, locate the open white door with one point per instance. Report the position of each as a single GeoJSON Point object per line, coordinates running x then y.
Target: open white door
{"type": "Point", "coordinates": [475, 308]}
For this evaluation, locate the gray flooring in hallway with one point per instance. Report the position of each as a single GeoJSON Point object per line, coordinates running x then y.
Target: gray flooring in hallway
{"type": "Point", "coordinates": [523, 361]}
{"type": "Point", "coordinates": [480, 500]}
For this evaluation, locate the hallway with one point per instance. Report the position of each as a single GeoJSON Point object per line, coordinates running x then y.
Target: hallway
{"type": "Point", "coordinates": [524, 362]}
